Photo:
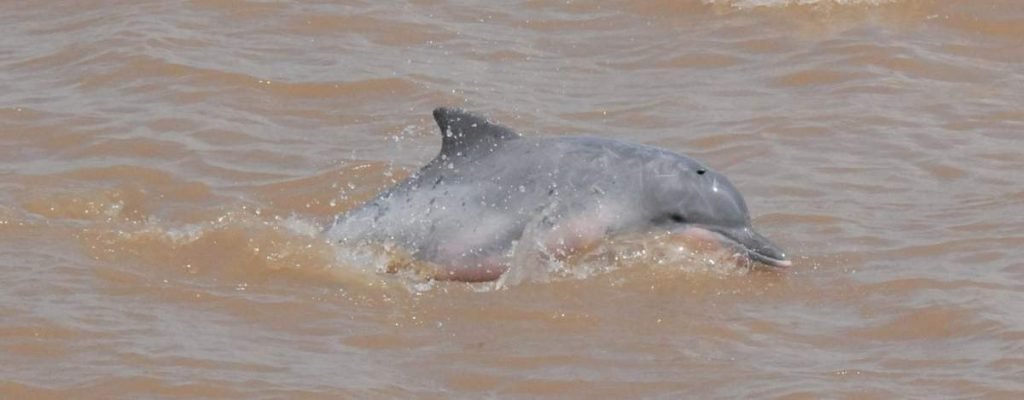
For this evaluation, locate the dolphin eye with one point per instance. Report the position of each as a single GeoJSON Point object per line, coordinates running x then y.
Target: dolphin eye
{"type": "Point", "coordinates": [701, 171]}
{"type": "Point", "coordinates": [677, 218]}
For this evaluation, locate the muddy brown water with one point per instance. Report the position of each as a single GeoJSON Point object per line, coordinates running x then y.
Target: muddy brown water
{"type": "Point", "coordinates": [167, 167]}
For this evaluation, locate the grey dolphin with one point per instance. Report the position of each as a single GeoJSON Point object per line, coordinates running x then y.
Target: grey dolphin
{"type": "Point", "coordinates": [466, 209]}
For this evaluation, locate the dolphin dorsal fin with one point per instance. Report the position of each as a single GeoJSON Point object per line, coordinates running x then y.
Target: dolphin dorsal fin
{"type": "Point", "coordinates": [463, 132]}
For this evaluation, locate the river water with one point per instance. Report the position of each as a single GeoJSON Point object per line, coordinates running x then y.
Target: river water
{"type": "Point", "coordinates": [166, 168]}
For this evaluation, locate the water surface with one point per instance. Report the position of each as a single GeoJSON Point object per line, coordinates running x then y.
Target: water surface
{"type": "Point", "coordinates": [167, 167]}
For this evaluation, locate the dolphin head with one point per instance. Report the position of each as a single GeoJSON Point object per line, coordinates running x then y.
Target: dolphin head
{"type": "Point", "coordinates": [681, 193]}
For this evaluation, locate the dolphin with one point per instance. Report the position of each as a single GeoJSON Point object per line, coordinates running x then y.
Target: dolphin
{"type": "Point", "coordinates": [466, 209]}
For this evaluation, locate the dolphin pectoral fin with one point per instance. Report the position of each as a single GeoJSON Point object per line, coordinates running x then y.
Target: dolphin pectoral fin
{"type": "Point", "coordinates": [757, 247]}
{"type": "Point", "coordinates": [577, 235]}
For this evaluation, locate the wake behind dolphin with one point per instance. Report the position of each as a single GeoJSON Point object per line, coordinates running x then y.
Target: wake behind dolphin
{"type": "Point", "coordinates": [468, 208]}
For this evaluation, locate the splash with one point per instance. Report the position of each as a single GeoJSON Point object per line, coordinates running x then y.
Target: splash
{"type": "Point", "coordinates": [244, 246]}
{"type": "Point", "coordinates": [631, 254]}
{"type": "Point", "coordinates": [240, 245]}
{"type": "Point", "coordinates": [123, 204]}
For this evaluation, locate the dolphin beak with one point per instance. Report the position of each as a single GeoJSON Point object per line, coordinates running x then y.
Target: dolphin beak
{"type": "Point", "coordinates": [757, 247]}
